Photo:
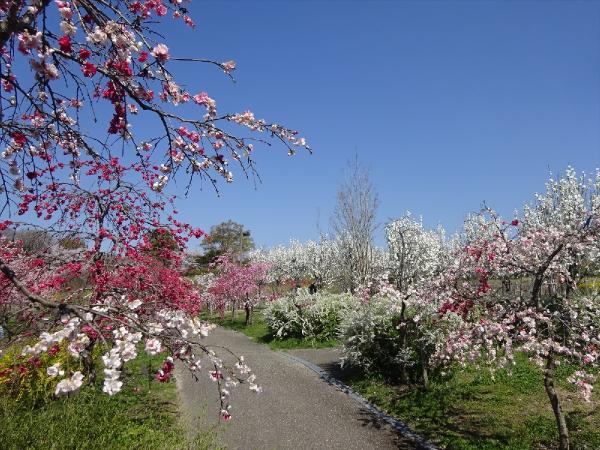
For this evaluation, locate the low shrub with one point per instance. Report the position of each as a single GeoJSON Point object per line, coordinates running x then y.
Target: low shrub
{"type": "Point", "coordinates": [383, 337]}
{"type": "Point", "coordinates": [370, 338]}
{"type": "Point", "coordinates": [308, 316]}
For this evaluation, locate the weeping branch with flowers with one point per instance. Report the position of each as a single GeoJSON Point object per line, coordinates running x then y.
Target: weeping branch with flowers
{"type": "Point", "coordinates": [72, 73]}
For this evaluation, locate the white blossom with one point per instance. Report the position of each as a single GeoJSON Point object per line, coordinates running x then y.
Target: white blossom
{"type": "Point", "coordinates": [69, 385]}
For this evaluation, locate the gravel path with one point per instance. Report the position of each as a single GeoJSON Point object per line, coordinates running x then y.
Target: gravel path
{"type": "Point", "coordinates": [296, 410]}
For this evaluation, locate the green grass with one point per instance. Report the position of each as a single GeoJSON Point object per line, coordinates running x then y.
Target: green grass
{"type": "Point", "coordinates": [142, 416]}
{"type": "Point", "coordinates": [472, 410]}
{"type": "Point", "coordinates": [259, 331]}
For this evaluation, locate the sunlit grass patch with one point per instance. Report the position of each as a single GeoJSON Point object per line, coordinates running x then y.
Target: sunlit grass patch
{"type": "Point", "coordinates": [471, 409]}
{"type": "Point", "coordinates": [144, 415]}
{"type": "Point", "coordinates": [259, 331]}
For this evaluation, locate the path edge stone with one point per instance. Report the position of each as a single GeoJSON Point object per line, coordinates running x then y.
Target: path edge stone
{"type": "Point", "coordinates": [399, 426]}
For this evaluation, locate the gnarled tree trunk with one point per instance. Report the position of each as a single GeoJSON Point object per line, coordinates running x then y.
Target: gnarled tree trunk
{"type": "Point", "coordinates": [561, 423]}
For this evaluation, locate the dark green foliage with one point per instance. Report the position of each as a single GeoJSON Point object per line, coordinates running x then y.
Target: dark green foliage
{"type": "Point", "coordinates": [226, 237]}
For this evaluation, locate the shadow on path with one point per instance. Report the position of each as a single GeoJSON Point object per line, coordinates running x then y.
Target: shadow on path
{"type": "Point", "coordinates": [296, 409]}
{"type": "Point", "coordinates": [325, 362]}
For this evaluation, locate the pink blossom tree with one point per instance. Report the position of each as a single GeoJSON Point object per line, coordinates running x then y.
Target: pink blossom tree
{"type": "Point", "coordinates": [72, 73]}
{"type": "Point", "coordinates": [237, 284]}
{"type": "Point", "coordinates": [541, 313]}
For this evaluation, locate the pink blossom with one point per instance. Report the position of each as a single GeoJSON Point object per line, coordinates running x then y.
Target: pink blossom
{"type": "Point", "coordinates": [161, 52]}
{"type": "Point", "coordinates": [228, 66]}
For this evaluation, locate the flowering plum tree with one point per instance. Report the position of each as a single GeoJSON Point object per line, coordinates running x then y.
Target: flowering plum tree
{"type": "Point", "coordinates": [547, 318]}
{"type": "Point", "coordinates": [415, 253]}
{"type": "Point", "coordinates": [415, 256]}
{"type": "Point", "coordinates": [294, 262]}
{"type": "Point", "coordinates": [322, 262]}
{"type": "Point", "coordinates": [76, 79]}
{"type": "Point", "coordinates": [274, 257]}
{"type": "Point", "coordinates": [237, 284]}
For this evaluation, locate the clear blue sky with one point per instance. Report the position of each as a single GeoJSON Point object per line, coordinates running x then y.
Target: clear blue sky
{"type": "Point", "coordinates": [449, 103]}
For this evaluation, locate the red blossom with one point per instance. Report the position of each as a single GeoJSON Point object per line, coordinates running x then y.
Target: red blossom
{"type": "Point", "coordinates": [236, 282]}
{"type": "Point", "coordinates": [53, 351]}
{"type": "Point", "coordinates": [5, 224]}
{"type": "Point", "coordinates": [19, 138]}
{"type": "Point", "coordinates": [65, 44]}
{"type": "Point", "coordinates": [161, 10]}
{"type": "Point", "coordinates": [162, 376]}
{"type": "Point", "coordinates": [84, 53]}
{"type": "Point", "coordinates": [89, 70]}
{"type": "Point", "coordinates": [90, 332]}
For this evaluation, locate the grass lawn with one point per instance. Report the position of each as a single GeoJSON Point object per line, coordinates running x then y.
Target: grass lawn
{"type": "Point", "coordinates": [259, 331]}
{"type": "Point", "coordinates": [472, 410]}
{"type": "Point", "coordinates": [144, 415]}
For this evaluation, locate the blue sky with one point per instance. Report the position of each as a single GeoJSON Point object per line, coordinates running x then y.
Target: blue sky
{"type": "Point", "coordinates": [451, 104]}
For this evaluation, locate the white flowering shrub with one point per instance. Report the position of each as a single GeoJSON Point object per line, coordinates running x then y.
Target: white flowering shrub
{"type": "Point", "coordinates": [370, 336]}
{"type": "Point", "coordinates": [308, 316]}
{"type": "Point", "coordinates": [393, 335]}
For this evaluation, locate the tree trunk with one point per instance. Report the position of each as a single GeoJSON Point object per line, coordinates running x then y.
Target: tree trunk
{"type": "Point", "coordinates": [539, 276]}
{"type": "Point", "coordinates": [150, 374]}
{"type": "Point", "coordinates": [561, 423]}
{"type": "Point", "coordinates": [277, 287]}
{"type": "Point", "coordinates": [88, 361]}
{"type": "Point", "coordinates": [573, 272]}
{"type": "Point", "coordinates": [233, 311]}
{"type": "Point", "coordinates": [403, 342]}
{"type": "Point", "coordinates": [248, 309]}
{"type": "Point", "coordinates": [424, 372]}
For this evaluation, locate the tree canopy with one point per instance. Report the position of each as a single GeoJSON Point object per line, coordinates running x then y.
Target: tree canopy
{"type": "Point", "coordinates": [76, 81]}
{"type": "Point", "coordinates": [226, 238]}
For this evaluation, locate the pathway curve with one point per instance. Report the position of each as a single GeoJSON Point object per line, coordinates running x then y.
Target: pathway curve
{"type": "Point", "coordinates": [296, 410]}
